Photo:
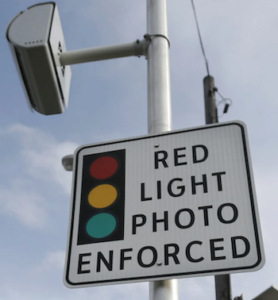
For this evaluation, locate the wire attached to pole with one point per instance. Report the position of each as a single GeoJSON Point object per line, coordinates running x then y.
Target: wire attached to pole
{"type": "Point", "coordinates": [227, 101]}
{"type": "Point", "coordinates": [200, 37]}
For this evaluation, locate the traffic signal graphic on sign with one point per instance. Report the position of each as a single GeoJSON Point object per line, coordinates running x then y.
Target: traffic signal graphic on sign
{"type": "Point", "coordinates": [102, 198]}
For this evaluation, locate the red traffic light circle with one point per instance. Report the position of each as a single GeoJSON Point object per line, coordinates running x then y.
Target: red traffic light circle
{"type": "Point", "coordinates": [103, 167]}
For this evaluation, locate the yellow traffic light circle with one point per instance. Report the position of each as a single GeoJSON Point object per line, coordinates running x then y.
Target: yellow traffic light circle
{"type": "Point", "coordinates": [102, 196]}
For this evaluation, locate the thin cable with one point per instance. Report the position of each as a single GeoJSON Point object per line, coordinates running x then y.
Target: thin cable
{"type": "Point", "coordinates": [200, 38]}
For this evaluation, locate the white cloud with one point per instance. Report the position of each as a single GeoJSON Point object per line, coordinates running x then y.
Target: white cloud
{"type": "Point", "coordinates": [24, 205]}
{"type": "Point", "coordinates": [52, 261]}
{"type": "Point", "coordinates": [37, 172]}
{"type": "Point", "coordinates": [42, 155]}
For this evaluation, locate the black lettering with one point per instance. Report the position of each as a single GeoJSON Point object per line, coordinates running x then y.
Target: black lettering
{"type": "Point", "coordinates": [219, 181]}
{"type": "Point", "coordinates": [203, 183]}
{"type": "Point", "coordinates": [123, 257]}
{"type": "Point", "coordinates": [234, 248]}
{"type": "Point", "coordinates": [177, 218]}
{"type": "Point", "coordinates": [187, 252]}
{"type": "Point", "coordinates": [135, 224]}
{"type": "Point", "coordinates": [164, 220]}
{"type": "Point", "coordinates": [205, 209]}
{"type": "Point", "coordinates": [161, 159]}
{"type": "Point", "coordinates": [219, 213]}
{"type": "Point", "coordinates": [173, 254]}
{"type": "Point", "coordinates": [194, 153]}
{"type": "Point", "coordinates": [139, 257]}
{"type": "Point", "coordinates": [158, 189]}
{"type": "Point", "coordinates": [181, 188]}
{"type": "Point", "coordinates": [108, 264]}
{"type": "Point", "coordinates": [177, 156]}
{"type": "Point", "coordinates": [143, 197]}
{"type": "Point", "coordinates": [213, 249]}
{"type": "Point", "coordinates": [81, 263]}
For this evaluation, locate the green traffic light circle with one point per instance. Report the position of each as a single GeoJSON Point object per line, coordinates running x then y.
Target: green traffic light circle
{"type": "Point", "coordinates": [101, 225]}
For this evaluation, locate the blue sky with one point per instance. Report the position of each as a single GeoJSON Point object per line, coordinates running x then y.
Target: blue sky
{"type": "Point", "coordinates": [108, 100]}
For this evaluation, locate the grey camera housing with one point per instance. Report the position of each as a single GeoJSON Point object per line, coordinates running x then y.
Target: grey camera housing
{"type": "Point", "coordinates": [36, 40]}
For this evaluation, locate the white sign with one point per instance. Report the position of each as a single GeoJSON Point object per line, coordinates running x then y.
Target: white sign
{"type": "Point", "coordinates": [178, 204]}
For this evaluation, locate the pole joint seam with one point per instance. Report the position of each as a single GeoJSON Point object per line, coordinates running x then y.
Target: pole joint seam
{"type": "Point", "coordinates": [150, 37]}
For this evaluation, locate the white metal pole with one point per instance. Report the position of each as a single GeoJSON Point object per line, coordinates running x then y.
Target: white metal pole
{"type": "Point", "coordinates": [159, 105]}
{"type": "Point", "coordinates": [137, 48]}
